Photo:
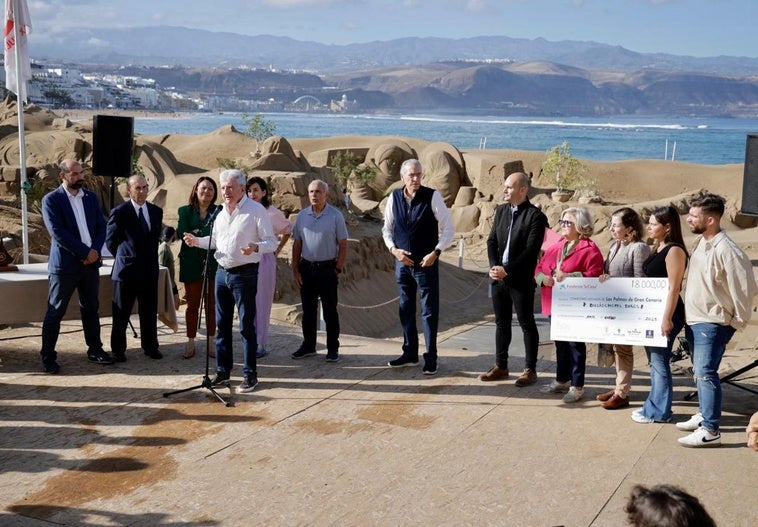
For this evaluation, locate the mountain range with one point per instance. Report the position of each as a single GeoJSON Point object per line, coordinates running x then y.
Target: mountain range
{"type": "Point", "coordinates": [170, 45]}
{"type": "Point", "coordinates": [489, 74]}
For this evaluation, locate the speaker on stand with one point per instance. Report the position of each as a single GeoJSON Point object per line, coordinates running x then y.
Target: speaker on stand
{"type": "Point", "coordinates": [749, 205]}
{"type": "Point", "coordinates": [112, 145]}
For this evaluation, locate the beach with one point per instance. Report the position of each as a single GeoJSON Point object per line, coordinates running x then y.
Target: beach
{"type": "Point", "coordinates": [357, 443]}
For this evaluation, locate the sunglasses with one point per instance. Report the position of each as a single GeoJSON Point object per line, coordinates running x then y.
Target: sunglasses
{"type": "Point", "coordinates": [565, 223]}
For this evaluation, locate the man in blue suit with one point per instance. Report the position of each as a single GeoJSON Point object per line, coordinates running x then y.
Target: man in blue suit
{"type": "Point", "coordinates": [132, 236]}
{"type": "Point", "coordinates": [76, 225]}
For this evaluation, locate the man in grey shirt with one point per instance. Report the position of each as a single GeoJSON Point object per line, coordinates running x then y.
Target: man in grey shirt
{"type": "Point", "coordinates": [319, 252]}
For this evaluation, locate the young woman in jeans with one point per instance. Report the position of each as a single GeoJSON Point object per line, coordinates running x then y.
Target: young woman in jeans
{"type": "Point", "coordinates": [667, 260]}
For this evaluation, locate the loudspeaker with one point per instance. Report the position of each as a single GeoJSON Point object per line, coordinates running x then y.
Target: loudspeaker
{"type": "Point", "coordinates": [750, 178]}
{"type": "Point", "coordinates": [112, 139]}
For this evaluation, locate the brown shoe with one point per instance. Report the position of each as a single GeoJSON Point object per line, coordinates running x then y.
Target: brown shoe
{"type": "Point", "coordinates": [528, 377]}
{"type": "Point", "coordinates": [495, 373]}
{"type": "Point", "coordinates": [616, 402]}
{"type": "Point", "coordinates": [605, 396]}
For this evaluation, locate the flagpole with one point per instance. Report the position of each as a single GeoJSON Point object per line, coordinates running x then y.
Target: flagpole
{"type": "Point", "coordinates": [21, 97]}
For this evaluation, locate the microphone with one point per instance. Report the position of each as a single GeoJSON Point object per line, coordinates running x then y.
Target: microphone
{"type": "Point", "coordinates": [214, 215]}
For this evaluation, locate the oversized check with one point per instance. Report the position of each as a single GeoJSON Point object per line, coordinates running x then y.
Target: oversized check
{"type": "Point", "coordinates": [617, 311]}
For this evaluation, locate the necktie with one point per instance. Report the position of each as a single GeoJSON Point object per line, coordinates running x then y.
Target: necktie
{"type": "Point", "coordinates": [508, 241]}
{"type": "Point", "coordinates": [143, 222]}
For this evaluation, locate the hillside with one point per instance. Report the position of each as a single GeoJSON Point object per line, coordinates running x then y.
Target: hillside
{"type": "Point", "coordinates": [538, 88]}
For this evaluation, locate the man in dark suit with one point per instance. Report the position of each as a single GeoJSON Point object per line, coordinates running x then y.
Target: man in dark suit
{"type": "Point", "coordinates": [132, 237]}
{"type": "Point", "coordinates": [76, 225]}
{"type": "Point", "coordinates": [513, 247]}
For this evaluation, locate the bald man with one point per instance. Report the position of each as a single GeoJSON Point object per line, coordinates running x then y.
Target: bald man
{"type": "Point", "coordinates": [132, 236]}
{"type": "Point", "coordinates": [513, 247]}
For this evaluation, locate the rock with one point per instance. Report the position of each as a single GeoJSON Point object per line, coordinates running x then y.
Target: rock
{"type": "Point", "coordinates": [465, 219]}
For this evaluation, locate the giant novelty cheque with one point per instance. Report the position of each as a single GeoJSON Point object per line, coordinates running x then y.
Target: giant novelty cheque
{"type": "Point", "coordinates": [617, 311]}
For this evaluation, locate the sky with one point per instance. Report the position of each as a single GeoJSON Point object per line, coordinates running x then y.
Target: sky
{"type": "Point", "coordinates": [700, 28]}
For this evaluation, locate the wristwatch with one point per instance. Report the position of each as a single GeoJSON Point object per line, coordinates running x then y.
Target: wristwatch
{"type": "Point", "coordinates": [437, 252]}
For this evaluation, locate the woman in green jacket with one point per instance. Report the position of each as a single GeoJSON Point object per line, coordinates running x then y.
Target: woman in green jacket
{"type": "Point", "coordinates": [196, 219]}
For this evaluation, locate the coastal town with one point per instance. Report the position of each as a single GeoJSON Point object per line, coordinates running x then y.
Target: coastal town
{"type": "Point", "coordinates": [61, 86]}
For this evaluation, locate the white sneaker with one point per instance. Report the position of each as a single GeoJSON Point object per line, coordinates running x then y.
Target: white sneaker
{"type": "Point", "coordinates": [639, 417]}
{"type": "Point", "coordinates": [574, 394]}
{"type": "Point", "coordinates": [693, 423]}
{"type": "Point", "coordinates": [700, 438]}
{"type": "Point", "coordinates": [556, 387]}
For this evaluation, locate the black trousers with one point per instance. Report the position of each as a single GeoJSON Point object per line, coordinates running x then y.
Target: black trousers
{"type": "Point", "coordinates": [505, 297]}
{"type": "Point", "coordinates": [319, 281]}
{"type": "Point", "coordinates": [145, 292]}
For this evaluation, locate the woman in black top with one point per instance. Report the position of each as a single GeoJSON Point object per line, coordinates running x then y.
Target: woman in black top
{"type": "Point", "coordinates": [667, 260]}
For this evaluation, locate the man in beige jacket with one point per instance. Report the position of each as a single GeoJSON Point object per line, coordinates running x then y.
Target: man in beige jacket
{"type": "Point", "coordinates": [718, 301]}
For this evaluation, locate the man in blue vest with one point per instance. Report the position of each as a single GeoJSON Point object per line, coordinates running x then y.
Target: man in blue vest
{"type": "Point", "coordinates": [417, 228]}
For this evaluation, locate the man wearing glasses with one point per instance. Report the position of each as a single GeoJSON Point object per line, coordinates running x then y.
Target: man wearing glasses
{"type": "Point", "coordinates": [513, 247]}
{"type": "Point", "coordinates": [417, 228]}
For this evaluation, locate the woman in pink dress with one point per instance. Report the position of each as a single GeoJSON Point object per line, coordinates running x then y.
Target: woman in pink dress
{"type": "Point", "coordinates": [257, 189]}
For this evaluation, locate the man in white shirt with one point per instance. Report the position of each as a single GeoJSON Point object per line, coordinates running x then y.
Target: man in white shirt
{"type": "Point", "coordinates": [132, 237]}
{"type": "Point", "coordinates": [417, 228]}
{"type": "Point", "coordinates": [76, 224]}
{"type": "Point", "coordinates": [241, 232]}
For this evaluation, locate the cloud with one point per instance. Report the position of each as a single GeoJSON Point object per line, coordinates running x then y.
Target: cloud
{"type": "Point", "coordinates": [97, 42]}
{"type": "Point", "coordinates": [305, 3]}
{"type": "Point", "coordinates": [478, 6]}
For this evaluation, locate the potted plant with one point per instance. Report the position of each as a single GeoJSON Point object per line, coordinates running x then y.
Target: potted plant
{"type": "Point", "coordinates": [564, 170]}
{"type": "Point", "coordinates": [348, 171]}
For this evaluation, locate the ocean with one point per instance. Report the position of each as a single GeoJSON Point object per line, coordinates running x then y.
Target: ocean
{"type": "Point", "coordinates": [707, 141]}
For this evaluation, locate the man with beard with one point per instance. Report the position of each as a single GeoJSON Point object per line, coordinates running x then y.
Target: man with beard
{"type": "Point", "coordinates": [76, 225]}
{"type": "Point", "coordinates": [718, 301]}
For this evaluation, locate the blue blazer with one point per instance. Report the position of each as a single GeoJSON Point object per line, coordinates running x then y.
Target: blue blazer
{"type": "Point", "coordinates": [67, 252]}
{"type": "Point", "coordinates": [135, 253]}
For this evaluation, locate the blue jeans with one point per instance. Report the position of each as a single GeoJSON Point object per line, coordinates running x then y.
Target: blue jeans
{"type": "Point", "coordinates": [236, 287]}
{"type": "Point", "coordinates": [570, 362]}
{"type": "Point", "coordinates": [709, 341]}
{"type": "Point", "coordinates": [658, 404]}
{"type": "Point", "coordinates": [426, 281]}
{"type": "Point", "coordinates": [62, 286]}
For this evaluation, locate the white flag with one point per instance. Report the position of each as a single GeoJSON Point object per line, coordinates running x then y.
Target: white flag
{"type": "Point", "coordinates": [23, 71]}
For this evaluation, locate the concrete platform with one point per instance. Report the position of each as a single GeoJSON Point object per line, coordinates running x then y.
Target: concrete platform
{"type": "Point", "coordinates": [351, 443]}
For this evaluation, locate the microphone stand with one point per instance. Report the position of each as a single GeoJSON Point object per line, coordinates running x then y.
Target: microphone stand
{"type": "Point", "coordinates": [206, 382]}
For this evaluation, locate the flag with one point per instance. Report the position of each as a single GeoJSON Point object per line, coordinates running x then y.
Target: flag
{"type": "Point", "coordinates": [16, 74]}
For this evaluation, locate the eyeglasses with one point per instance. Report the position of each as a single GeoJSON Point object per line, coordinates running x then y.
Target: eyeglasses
{"type": "Point", "coordinates": [565, 223]}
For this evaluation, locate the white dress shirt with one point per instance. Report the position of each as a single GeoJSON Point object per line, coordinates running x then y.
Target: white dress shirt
{"type": "Point", "coordinates": [444, 223]}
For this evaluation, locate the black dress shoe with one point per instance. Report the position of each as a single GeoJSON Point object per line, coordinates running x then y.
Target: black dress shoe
{"type": "Point", "coordinates": [100, 357]}
{"type": "Point", "coordinates": [154, 354]}
{"type": "Point", "coordinates": [119, 357]}
{"type": "Point", "coordinates": [52, 368]}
